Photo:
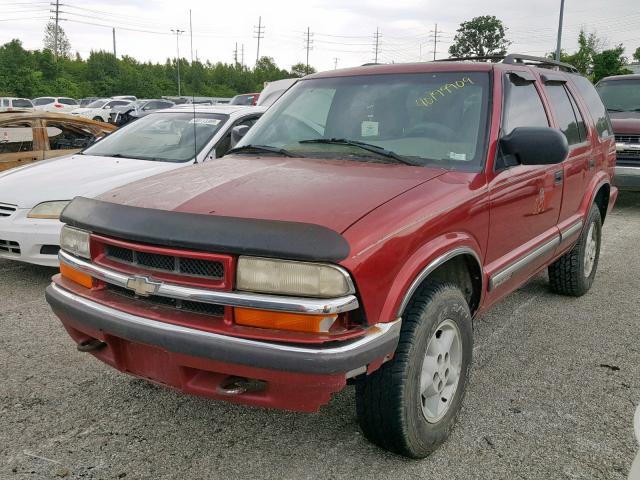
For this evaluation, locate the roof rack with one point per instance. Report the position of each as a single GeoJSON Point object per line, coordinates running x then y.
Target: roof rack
{"type": "Point", "coordinates": [519, 59]}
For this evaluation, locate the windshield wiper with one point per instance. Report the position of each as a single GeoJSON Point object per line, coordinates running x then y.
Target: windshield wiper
{"type": "Point", "coordinates": [131, 157]}
{"type": "Point", "coordinates": [365, 146]}
{"type": "Point", "coordinates": [615, 110]}
{"type": "Point", "coordinates": [263, 148]}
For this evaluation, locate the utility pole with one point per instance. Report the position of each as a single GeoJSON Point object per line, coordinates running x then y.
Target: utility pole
{"type": "Point", "coordinates": [308, 46]}
{"type": "Point", "coordinates": [191, 35]}
{"type": "Point", "coordinates": [55, 33]}
{"type": "Point", "coordinates": [258, 33]}
{"type": "Point", "coordinates": [376, 37]}
{"type": "Point", "coordinates": [558, 45]}
{"type": "Point", "coordinates": [113, 30]}
{"type": "Point", "coordinates": [436, 34]}
{"type": "Point", "coordinates": [242, 55]}
{"type": "Point", "coordinates": [177, 33]}
{"type": "Point", "coordinates": [235, 55]}
{"type": "Point", "coordinates": [335, 63]}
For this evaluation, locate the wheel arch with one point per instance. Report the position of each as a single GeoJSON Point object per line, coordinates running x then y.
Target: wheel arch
{"type": "Point", "coordinates": [460, 265]}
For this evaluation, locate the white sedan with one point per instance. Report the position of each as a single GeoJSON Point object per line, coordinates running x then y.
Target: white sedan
{"type": "Point", "coordinates": [55, 104]}
{"type": "Point", "coordinates": [32, 197]}
{"type": "Point", "coordinates": [99, 110]}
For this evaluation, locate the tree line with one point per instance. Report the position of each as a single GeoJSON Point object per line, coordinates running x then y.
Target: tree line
{"type": "Point", "coordinates": [35, 73]}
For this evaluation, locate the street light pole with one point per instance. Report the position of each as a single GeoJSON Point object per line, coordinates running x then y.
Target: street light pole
{"type": "Point", "coordinates": [177, 32]}
{"type": "Point", "coordinates": [558, 45]}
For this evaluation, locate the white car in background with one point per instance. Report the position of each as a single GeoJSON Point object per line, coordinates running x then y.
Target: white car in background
{"type": "Point", "coordinates": [55, 104]}
{"type": "Point", "coordinates": [14, 104]}
{"type": "Point", "coordinates": [100, 109]}
{"type": "Point", "coordinates": [32, 197]}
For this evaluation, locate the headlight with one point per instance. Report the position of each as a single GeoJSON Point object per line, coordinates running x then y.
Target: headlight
{"type": "Point", "coordinates": [48, 209]}
{"type": "Point", "coordinates": [75, 241]}
{"type": "Point", "coordinates": [292, 278]}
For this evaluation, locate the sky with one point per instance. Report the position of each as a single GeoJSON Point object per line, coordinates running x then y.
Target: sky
{"type": "Point", "coordinates": [341, 31]}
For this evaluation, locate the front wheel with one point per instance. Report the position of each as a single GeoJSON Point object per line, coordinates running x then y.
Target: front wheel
{"type": "Point", "coordinates": [98, 119]}
{"type": "Point", "coordinates": [410, 405]}
{"type": "Point", "coordinates": [574, 272]}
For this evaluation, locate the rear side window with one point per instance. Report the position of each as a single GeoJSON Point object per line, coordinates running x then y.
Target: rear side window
{"type": "Point", "coordinates": [523, 106]}
{"type": "Point", "coordinates": [22, 103]}
{"type": "Point", "coordinates": [43, 101]}
{"type": "Point", "coordinates": [67, 101]}
{"type": "Point", "coordinates": [596, 107]}
{"type": "Point", "coordinates": [565, 114]}
{"type": "Point", "coordinates": [16, 137]}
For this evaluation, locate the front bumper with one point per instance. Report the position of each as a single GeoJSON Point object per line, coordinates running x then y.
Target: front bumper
{"type": "Point", "coordinates": [627, 178]}
{"type": "Point", "coordinates": [297, 378]}
{"type": "Point", "coordinates": [31, 235]}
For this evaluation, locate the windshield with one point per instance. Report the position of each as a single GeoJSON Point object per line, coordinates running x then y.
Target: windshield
{"type": "Point", "coordinates": [165, 137]}
{"type": "Point", "coordinates": [435, 119]}
{"type": "Point", "coordinates": [97, 104]}
{"type": "Point", "coordinates": [620, 95]}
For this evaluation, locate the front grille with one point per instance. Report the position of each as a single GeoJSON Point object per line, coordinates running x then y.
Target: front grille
{"type": "Point", "coordinates": [166, 263]}
{"type": "Point", "coordinates": [8, 246]}
{"type": "Point", "coordinates": [627, 138]}
{"type": "Point", "coordinates": [182, 305]}
{"type": "Point", "coordinates": [7, 210]}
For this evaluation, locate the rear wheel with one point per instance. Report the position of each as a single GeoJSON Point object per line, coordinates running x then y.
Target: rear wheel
{"type": "Point", "coordinates": [410, 405]}
{"type": "Point", "coordinates": [574, 272]}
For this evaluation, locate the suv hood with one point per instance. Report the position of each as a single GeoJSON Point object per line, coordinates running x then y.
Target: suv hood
{"type": "Point", "coordinates": [77, 175]}
{"type": "Point", "coordinates": [331, 193]}
{"type": "Point", "coordinates": [627, 123]}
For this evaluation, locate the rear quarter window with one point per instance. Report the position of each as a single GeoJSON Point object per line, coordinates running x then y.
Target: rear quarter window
{"type": "Point", "coordinates": [595, 105]}
{"type": "Point", "coordinates": [572, 128]}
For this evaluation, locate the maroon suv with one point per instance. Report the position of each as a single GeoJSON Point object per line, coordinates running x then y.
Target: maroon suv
{"type": "Point", "coordinates": [352, 236]}
{"type": "Point", "coordinates": [621, 95]}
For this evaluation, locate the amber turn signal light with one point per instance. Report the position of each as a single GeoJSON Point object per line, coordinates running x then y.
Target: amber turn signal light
{"type": "Point", "coordinates": [75, 276]}
{"type": "Point", "coordinates": [284, 321]}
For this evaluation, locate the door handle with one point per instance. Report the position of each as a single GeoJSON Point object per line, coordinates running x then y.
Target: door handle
{"type": "Point", "coordinates": [592, 163]}
{"type": "Point", "coordinates": [557, 176]}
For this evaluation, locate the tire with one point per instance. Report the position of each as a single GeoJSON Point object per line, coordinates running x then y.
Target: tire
{"type": "Point", "coordinates": [98, 119]}
{"type": "Point", "coordinates": [389, 402]}
{"type": "Point", "coordinates": [573, 273]}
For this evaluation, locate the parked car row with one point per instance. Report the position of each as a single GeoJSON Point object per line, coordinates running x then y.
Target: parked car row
{"type": "Point", "coordinates": [350, 236]}
{"type": "Point", "coordinates": [32, 197]}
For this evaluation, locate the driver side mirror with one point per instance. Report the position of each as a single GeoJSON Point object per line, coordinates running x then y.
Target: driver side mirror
{"type": "Point", "coordinates": [237, 133]}
{"type": "Point", "coordinates": [107, 107]}
{"type": "Point", "coordinates": [534, 146]}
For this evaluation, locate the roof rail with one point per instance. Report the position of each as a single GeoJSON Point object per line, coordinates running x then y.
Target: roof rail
{"type": "Point", "coordinates": [516, 58]}
{"type": "Point", "coordinates": [519, 59]}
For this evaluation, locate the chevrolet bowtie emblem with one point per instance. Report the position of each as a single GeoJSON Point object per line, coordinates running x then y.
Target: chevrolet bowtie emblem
{"type": "Point", "coordinates": [143, 286]}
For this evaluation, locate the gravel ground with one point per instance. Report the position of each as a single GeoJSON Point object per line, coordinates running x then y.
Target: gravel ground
{"type": "Point", "coordinates": [552, 395]}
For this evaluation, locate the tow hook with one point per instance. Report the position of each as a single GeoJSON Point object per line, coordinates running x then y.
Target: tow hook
{"type": "Point", "coordinates": [92, 345]}
{"type": "Point", "coordinates": [240, 385]}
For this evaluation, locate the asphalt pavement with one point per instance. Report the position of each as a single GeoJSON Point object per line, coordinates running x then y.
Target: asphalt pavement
{"type": "Point", "coordinates": [554, 386]}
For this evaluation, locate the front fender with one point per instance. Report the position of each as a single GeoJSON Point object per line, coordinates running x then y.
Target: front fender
{"type": "Point", "coordinates": [423, 262]}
